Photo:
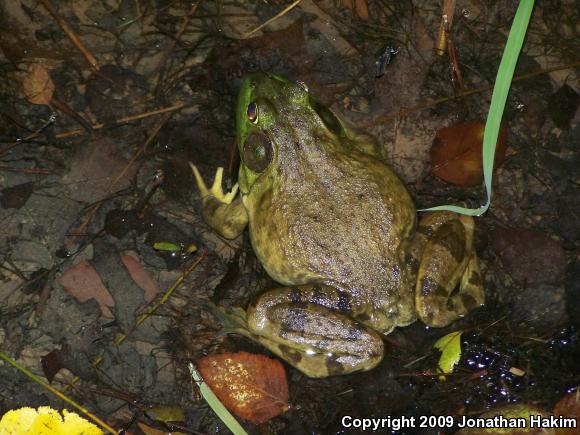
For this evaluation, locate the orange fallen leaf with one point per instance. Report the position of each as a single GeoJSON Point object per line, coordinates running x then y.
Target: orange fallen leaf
{"type": "Point", "coordinates": [83, 282]}
{"type": "Point", "coordinates": [253, 387]}
{"type": "Point", "coordinates": [456, 153]}
{"type": "Point", "coordinates": [37, 86]}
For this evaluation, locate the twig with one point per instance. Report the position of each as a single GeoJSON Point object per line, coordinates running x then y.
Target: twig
{"type": "Point", "coordinates": [31, 136]}
{"type": "Point", "coordinates": [37, 171]}
{"type": "Point", "coordinates": [124, 120]}
{"type": "Point", "coordinates": [274, 18]}
{"type": "Point", "coordinates": [70, 33]}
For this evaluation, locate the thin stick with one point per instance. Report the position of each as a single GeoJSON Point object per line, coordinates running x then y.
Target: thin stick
{"type": "Point", "coordinates": [124, 120]}
{"type": "Point", "coordinates": [274, 18]}
{"type": "Point", "coordinates": [71, 34]}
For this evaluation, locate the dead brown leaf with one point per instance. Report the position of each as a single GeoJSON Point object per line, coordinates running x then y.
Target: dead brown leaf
{"type": "Point", "coordinates": [252, 386]}
{"type": "Point", "coordinates": [456, 153]}
{"type": "Point", "coordinates": [83, 283]}
{"type": "Point", "coordinates": [37, 86]}
{"type": "Point", "coordinates": [54, 361]}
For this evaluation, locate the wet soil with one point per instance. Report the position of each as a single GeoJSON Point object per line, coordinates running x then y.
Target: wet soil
{"type": "Point", "coordinates": [99, 213]}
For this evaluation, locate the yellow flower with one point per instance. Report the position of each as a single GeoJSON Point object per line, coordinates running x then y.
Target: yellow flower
{"type": "Point", "coordinates": [45, 421]}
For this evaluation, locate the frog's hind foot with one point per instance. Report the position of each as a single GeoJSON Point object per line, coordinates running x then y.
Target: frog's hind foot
{"type": "Point", "coordinates": [318, 340]}
{"type": "Point", "coordinates": [448, 281]}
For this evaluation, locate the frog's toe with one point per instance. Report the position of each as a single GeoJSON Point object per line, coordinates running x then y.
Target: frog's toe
{"type": "Point", "coordinates": [216, 188]}
{"type": "Point", "coordinates": [203, 190]}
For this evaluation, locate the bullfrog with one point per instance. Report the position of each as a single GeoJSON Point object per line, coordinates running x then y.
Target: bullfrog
{"type": "Point", "coordinates": [334, 225]}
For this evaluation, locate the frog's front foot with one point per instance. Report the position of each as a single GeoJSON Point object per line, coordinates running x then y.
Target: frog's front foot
{"type": "Point", "coordinates": [224, 212]}
{"type": "Point", "coordinates": [216, 190]}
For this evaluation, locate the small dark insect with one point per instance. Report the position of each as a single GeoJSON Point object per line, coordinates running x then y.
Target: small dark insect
{"type": "Point", "coordinates": [385, 58]}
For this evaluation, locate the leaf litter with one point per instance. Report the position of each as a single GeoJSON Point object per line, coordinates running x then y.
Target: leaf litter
{"type": "Point", "coordinates": [101, 111]}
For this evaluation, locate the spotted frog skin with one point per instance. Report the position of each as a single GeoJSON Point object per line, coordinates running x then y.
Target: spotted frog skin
{"type": "Point", "coordinates": [332, 223]}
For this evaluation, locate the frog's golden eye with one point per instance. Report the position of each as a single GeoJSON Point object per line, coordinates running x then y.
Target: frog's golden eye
{"type": "Point", "coordinates": [257, 152]}
{"type": "Point", "coordinates": [252, 112]}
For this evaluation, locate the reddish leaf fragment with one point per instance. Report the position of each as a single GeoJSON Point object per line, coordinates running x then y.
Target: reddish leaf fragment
{"type": "Point", "coordinates": [83, 283]}
{"type": "Point", "coordinates": [16, 196]}
{"type": "Point", "coordinates": [360, 7]}
{"type": "Point", "coordinates": [141, 277]}
{"type": "Point", "coordinates": [532, 257]}
{"type": "Point", "coordinates": [252, 386]}
{"type": "Point", "coordinates": [456, 153]}
{"type": "Point", "coordinates": [569, 407]}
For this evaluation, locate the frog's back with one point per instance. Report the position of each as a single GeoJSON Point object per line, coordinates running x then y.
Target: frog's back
{"type": "Point", "coordinates": [339, 219]}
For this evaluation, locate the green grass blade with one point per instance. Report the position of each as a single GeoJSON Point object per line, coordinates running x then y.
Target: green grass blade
{"type": "Point", "coordinates": [215, 404]}
{"type": "Point", "coordinates": [501, 89]}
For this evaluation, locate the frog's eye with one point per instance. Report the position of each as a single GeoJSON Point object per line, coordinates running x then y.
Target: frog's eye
{"type": "Point", "coordinates": [252, 112]}
{"type": "Point", "coordinates": [330, 121]}
{"type": "Point", "coordinates": [302, 85]}
{"type": "Point", "coordinates": [257, 153]}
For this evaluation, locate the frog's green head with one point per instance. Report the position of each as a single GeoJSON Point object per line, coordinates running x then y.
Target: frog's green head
{"type": "Point", "coordinates": [278, 122]}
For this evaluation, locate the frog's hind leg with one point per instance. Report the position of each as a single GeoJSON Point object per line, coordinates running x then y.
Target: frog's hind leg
{"type": "Point", "coordinates": [448, 282]}
{"type": "Point", "coordinates": [309, 326]}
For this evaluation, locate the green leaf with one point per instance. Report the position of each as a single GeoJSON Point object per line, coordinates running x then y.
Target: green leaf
{"type": "Point", "coordinates": [166, 246]}
{"type": "Point", "coordinates": [215, 404]}
{"type": "Point", "coordinates": [501, 88]}
{"type": "Point", "coordinates": [450, 347]}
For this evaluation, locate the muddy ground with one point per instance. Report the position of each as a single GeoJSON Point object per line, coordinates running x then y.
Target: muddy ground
{"type": "Point", "coordinates": [99, 211]}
